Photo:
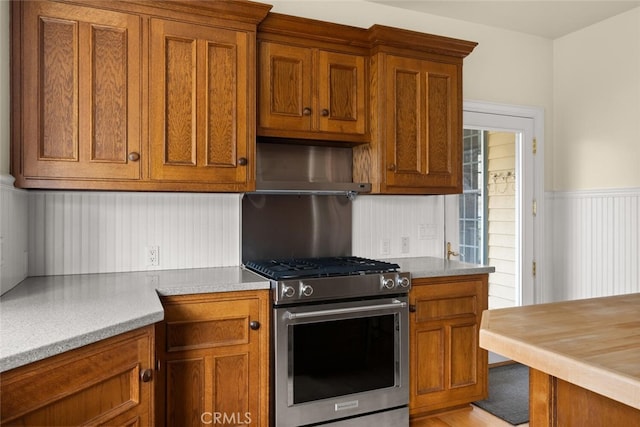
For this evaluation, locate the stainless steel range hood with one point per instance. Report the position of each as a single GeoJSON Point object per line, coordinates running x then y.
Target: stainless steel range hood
{"type": "Point", "coordinates": [305, 169]}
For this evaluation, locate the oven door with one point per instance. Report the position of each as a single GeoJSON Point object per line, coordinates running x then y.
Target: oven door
{"type": "Point", "coordinates": [339, 360]}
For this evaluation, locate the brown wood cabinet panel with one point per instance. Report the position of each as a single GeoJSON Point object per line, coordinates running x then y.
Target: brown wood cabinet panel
{"type": "Point", "coordinates": [554, 402]}
{"type": "Point", "coordinates": [429, 357]}
{"type": "Point", "coordinates": [216, 359]}
{"type": "Point", "coordinates": [310, 93]}
{"type": "Point", "coordinates": [285, 87]}
{"type": "Point", "coordinates": [423, 139]}
{"type": "Point", "coordinates": [464, 347]}
{"type": "Point", "coordinates": [81, 92]}
{"type": "Point", "coordinates": [185, 391]}
{"type": "Point", "coordinates": [342, 93]}
{"type": "Point", "coordinates": [98, 384]}
{"type": "Point", "coordinates": [447, 367]}
{"type": "Point", "coordinates": [134, 95]}
{"type": "Point", "coordinates": [231, 389]}
{"type": "Point", "coordinates": [416, 114]}
{"type": "Point", "coordinates": [200, 98]}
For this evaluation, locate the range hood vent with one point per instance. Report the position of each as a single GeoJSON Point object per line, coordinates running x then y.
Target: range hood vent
{"type": "Point", "coordinates": [301, 169]}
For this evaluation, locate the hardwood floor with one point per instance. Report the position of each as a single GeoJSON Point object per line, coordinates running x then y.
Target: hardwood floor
{"type": "Point", "coordinates": [466, 417]}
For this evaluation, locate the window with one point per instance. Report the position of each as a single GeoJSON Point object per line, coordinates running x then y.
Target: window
{"type": "Point", "coordinates": [472, 204]}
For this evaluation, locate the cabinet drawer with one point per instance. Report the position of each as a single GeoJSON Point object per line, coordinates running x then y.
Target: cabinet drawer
{"type": "Point", "coordinates": [207, 333]}
{"type": "Point", "coordinates": [194, 322]}
{"type": "Point", "coordinates": [95, 384]}
{"type": "Point", "coordinates": [446, 308]}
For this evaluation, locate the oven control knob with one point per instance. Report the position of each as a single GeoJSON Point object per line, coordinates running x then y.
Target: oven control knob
{"type": "Point", "coordinates": [388, 282]}
{"type": "Point", "coordinates": [403, 281]}
{"type": "Point", "coordinates": [288, 291]}
{"type": "Point", "coordinates": [305, 290]}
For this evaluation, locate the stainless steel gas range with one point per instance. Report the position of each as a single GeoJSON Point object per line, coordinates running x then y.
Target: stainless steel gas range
{"type": "Point", "coordinates": [340, 323]}
{"type": "Point", "coordinates": [340, 341]}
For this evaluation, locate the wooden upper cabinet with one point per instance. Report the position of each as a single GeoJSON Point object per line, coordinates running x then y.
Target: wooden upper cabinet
{"type": "Point", "coordinates": [201, 90]}
{"type": "Point", "coordinates": [342, 93]}
{"type": "Point", "coordinates": [285, 87]}
{"type": "Point", "coordinates": [423, 143]}
{"type": "Point", "coordinates": [81, 101]}
{"type": "Point", "coordinates": [304, 100]}
{"type": "Point", "coordinates": [416, 114]}
{"type": "Point", "coordinates": [122, 95]}
{"type": "Point", "coordinates": [310, 88]}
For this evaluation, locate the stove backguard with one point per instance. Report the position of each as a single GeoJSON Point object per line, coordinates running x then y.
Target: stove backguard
{"type": "Point", "coordinates": [289, 226]}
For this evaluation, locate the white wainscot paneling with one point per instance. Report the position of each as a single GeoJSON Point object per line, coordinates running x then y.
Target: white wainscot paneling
{"type": "Point", "coordinates": [378, 218]}
{"type": "Point", "coordinates": [98, 232]}
{"type": "Point", "coordinates": [595, 238]}
{"type": "Point", "coordinates": [13, 234]}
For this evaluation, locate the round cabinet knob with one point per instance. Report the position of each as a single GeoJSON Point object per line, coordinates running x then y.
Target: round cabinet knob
{"type": "Point", "coordinates": [412, 308]}
{"type": "Point", "coordinates": [254, 325]}
{"type": "Point", "coordinates": [133, 156]}
{"type": "Point", "coordinates": [306, 290]}
{"type": "Point", "coordinates": [288, 291]}
{"type": "Point", "coordinates": [403, 281]}
{"type": "Point", "coordinates": [392, 167]}
{"type": "Point", "coordinates": [242, 161]}
{"type": "Point", "coordinates": [146, 375]}
{"type": "Point", "coordinates": [388, 283]}
{"type": "Point", "coordinates": [324, 112]}
{"type": "Point", "coordinates": [306, 111]}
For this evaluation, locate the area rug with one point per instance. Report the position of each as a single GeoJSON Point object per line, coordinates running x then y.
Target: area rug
{"type": "Point", "coordinates": [508, 393]}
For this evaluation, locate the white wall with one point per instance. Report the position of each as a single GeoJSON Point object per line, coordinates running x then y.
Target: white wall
{"type": "Point", "coordinates": [73, 232]}
{"type": "Point", "coordinates": [13, 202]}
{"type": "Point", "coordinates": [594, 213]}
{"type": "Point", "coordinates": [597, 106]}
{"type": "Point", "coordinates": [13, 234]}
{"type": "Point", "coordinates": [380, 218]}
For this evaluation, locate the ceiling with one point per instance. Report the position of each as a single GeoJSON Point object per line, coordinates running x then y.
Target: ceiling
{"type": "Point", "coordinates": [549, 19]}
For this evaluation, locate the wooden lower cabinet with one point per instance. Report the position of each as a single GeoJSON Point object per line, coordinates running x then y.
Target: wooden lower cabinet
{"type": "Point", "coordinates": [99, 384]}
{"type": "Point", "coordinates": [554, 402]}
{"type": "Point", "coordinates": [447, 368]}
{"type": "Point", "coordinates": [213, 352]}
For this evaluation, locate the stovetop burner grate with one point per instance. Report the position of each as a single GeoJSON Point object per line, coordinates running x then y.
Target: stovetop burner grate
{"type": "Point", "coordinates": [319, 267]}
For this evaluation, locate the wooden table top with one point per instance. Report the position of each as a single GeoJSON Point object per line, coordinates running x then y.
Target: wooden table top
{"type": "Point", "coordinates": [593, 343]}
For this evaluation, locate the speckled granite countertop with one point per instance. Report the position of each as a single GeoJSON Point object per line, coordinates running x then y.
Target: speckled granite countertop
{"type": "Point", "coordinates": [45, 316]}
{"type": "Point", "coordinates": [423, 267]}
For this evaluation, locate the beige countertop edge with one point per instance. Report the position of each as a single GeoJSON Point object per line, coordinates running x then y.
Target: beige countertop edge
{"type": "Point", "coordinates": [596, 378]}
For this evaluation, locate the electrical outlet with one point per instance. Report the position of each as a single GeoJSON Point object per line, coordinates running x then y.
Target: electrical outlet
{"type": "Point", "coordinates": [385, 246]}
{"type": "Point", "coordinates": [153, 256]}
{"type": "Point", "coordinates": [404, 245]}
{"type": "Point", "coordinates": [427, 231]}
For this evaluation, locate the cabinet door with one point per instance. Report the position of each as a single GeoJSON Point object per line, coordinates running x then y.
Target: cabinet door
{"type": "Point", "coordinates": [285, 76]}
{"type": "Point", "coordinates": [341, 93]}
{"type": "Point", "coordinates": [201, 101]}
{"type": "Point", "coordinates": [98, 384]}
{"type": "Point", "coordinates": [448, 367]}
{"type": "Point", "coordinates": [214, 361]}
{"type": "Point", "coordinates": [423, 141]}
{"type": "Point", "coordinates": [81, 92]}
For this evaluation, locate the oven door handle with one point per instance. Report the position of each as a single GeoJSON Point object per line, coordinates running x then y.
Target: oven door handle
{"type": "Point", "coordinates": [332, 312]}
